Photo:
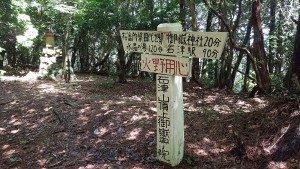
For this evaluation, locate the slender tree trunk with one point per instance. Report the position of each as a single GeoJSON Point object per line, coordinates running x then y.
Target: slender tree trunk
{"type": "Point", "coordinates": [241, 54]}
{"type": "Point", "coordinates": [222, 77]}
{"type": "Point", "coordinates": [11, 48]}
{"type": "Point", "coordinates": [77, 41]}
{"type": "Point", "coordinates": [208, 29]}
{"type": "Point", "coordinates": [195, 67]}
{"type": "Point", "coordinates": [296, 65]}
{"type": "Point", "coordinates": [279, 50]}
{"type": "Point", "coordinates": [2, 54]}
{"type": "Point", "coordinates": [272, 34]}
{"type": "Point", "coordinates": [262, 75]}
{"type": "Point", "coordinates": [292, 78]}
{"type": "Point", "coordinates": [121, 65]}
{"type": "Point", "coordinates": [182, 10]}
{"type": "Point", "coordinates": [245, 86]}
{"type": "Point", "coordinates": [217, 82]}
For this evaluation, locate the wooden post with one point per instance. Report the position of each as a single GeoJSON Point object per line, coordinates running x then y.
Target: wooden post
{"type": "Point", "coordinates": [170, 119]}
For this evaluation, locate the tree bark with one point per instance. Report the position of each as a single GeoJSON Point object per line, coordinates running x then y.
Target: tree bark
{"type": "Point", "coordinates": [262, 75]}
{"type": "Point", "coordinates": [272, 34]}
{"type": "Point", "coordinates": [241, 54]}
{"type": "Point", "coordinates": [182, 13]}
{"type": "Point", "coordinates": [208, 29]}
{"type": "Point", "coordinates": [11, 48]}
{"type": "Point", "coordinates": [195, 66]}
{"type": "Point", "coordinates": [245, 86]}
{"type": "Point", "coordinates": [292, 78]}
{"type": "Point", "coordinates": [122, 66]}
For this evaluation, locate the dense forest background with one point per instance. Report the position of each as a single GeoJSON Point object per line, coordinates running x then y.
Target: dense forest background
{"type": "Point", "coordinates": [262, 53]}
{"type": "Point", "coordinates": [104, 122]}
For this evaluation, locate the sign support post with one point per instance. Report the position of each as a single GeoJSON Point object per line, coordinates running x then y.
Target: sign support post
{"type": "Point", "coordinates": [170, 118]}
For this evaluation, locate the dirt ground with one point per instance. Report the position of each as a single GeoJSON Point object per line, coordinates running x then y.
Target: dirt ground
{"type": "Point", "coordinates": [93, 122]}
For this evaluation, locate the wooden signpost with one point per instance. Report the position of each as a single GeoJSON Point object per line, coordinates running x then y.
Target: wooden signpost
{"type": "Point", "coordinates": [169, 55]}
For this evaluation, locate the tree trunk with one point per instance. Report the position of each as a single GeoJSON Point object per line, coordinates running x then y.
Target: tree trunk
{"type": "Point", "coordinates": [182, 10]}
{"type": "Point", "coordinates": [222, 75]}
{"type": "Point", "coordinates": [280, 46]}
{"type": "Point", "coordinates": [195, 67]}
{"type": "Point", "coordinates": [11, 48]}
{"type": "Point", "coordinates": [292, 78]}
{"type": "Point", "coordinates": [262, 75]}
{"type": "Point", "coordinates": [121, 65]}
{"type": "Point", "coordinates": [272, 34]}
{"type": "Point", "coordinates": [240, 56]}
{"type": "Point", "coordinates": [77, 41]}
{"type": "Point", "coordinates": [2, 54]}
{"type": "Point", "coordinates": [245, 86]}
{"type": "Point", "coordinates": [208, 29]}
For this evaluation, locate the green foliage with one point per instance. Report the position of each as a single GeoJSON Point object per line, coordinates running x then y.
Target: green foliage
{"type": "Point", "coordinates": [207, 81]}
{"type": "Point", "coordinates": [188, 160]}
{"type": "Point", "coordinates": [13, 159]}
{"type": "Point", "coordinates": [106, 84]}
{"type": "Point", "coordinates": [277, 81]}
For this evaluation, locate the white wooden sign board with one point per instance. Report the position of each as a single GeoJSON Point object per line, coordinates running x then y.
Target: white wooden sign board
{"type": "Point", "coordinates": [190, 44]}
{"type": "Point", "coordinates": [167, 65]}
{"type": "Point", "coordinates": [170, 120]}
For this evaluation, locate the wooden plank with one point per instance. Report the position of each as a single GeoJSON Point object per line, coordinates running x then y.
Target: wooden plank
{"type": "Point", "coordinates": [189, 44]}
{"type": "Point", "coordinates": [170, 120]}
{"type": "Point", "coordinates": [167, 65]}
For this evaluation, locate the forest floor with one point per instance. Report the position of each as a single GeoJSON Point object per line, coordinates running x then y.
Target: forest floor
{"type": "Point", "coordinates": [93, 122]}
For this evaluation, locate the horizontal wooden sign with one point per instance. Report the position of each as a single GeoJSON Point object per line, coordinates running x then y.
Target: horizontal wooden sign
{"type": "Point", "coordinates": [167, 65]}
{"type": "Point", "coordinates": [189, 44]}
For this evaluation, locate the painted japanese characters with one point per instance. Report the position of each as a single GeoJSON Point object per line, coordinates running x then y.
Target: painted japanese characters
{"type": "Point", "coordinates": [190, 44]}
{"type": "Point", "coordinates": [170, 120]}
{"type": "Point", "coordinates": [167, 65]}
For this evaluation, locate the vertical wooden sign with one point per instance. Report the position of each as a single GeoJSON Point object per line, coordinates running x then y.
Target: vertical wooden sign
{"type": "Point", "coordinates": [170, 120]}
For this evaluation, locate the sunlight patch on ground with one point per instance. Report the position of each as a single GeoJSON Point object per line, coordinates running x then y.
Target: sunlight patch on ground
{"type": "Point", "coordinates": [14, 131]}
{"type": "Point", "coordinates": [5, 146]}
{"type": "Point", "coordinates": [210, 99]}
{"type": "Point", "coordinates": [154, 109]}
{"type": "Point", "coordinates": [190, 107]}
{"type": "Point", "coordinates": [296, 113]}
{"type": "Point", "coordinates": [132, 98]}
{"type": "Point", "coordinates": [134, 134]}
{"type": "Point", "coordinates": [30, 77]}
{"type": "Point", "coordinates": [197, 150]}
{"type": "Point", "coordinates": [100, 131]}
{"type": "Point", "coordinates": [15, 122]}
{"type": "Point", "coordinates": [135, 118]}
{"type": "Point", "coordinates": [31, 111]}
{"type": "Point", "coordinates": [223, 109]}
{"type": "Point", "coordinates": [277, 165]}
{"type": "Point", "coordinates": [47, 88]}
{"type": "Point", "coordinates": [42, 162]}
{"type": "Point", "coordinates": [150, 133]}
{"type": "Point", "coordinates": [2, 130]}
{"type": "Point", "coordinates": [9, 153]}
{"type": "Point", "coordinates": [261, 103]}
{"type": "Point", "coordinates": [243, 104]}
